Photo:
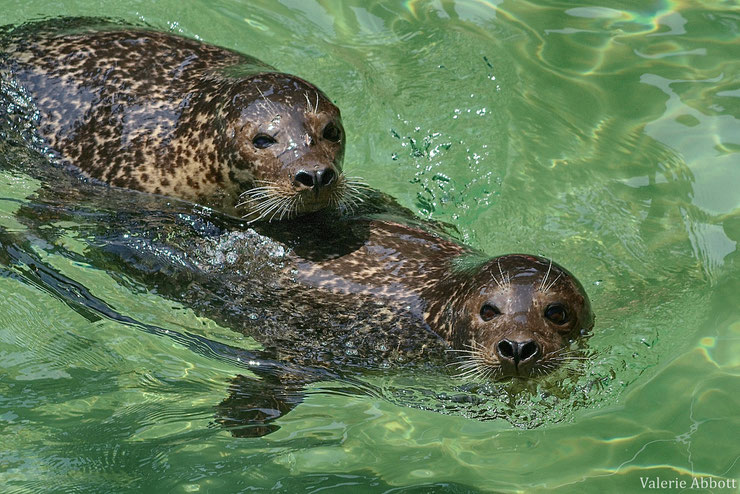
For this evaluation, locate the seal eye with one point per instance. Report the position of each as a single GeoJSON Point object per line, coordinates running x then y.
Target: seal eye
{"type": "Point", "coordinates": [488, 312]}
{"type": "Point", "coordinates": [557, 314]}
{"type": "Point", "coordinates": [262, 141]}
{"type": "Point", "coordinates": [332, 132]}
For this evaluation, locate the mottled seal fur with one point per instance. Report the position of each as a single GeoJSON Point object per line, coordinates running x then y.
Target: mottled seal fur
{"type": "Point", "coordinates": [164, 114]}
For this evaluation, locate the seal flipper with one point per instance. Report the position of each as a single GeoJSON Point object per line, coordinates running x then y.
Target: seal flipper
{"type": "Point", "coordinates": [254, 404]}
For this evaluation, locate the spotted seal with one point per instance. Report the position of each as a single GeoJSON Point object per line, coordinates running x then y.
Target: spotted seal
{"type": "Point", "coordinates": [164, 114]}
{"type": "Point", "coordinates": [507, 316]}
{"type": "Point", "coordinates": [374, 291]}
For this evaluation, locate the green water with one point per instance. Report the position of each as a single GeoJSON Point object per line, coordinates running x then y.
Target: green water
{"type": "Point", "coordinates": [606, 137]}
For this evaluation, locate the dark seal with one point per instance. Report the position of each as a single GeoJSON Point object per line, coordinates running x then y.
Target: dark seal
{"type": "Point", "coordinates": [370, 292]}
{"type": "Point", "coordinates": [507, 316]}
{"type": "Point", "coordinates": [164, 114]}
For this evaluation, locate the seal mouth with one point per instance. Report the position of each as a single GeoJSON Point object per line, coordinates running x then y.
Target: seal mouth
{"type": "Point", "coordinates": [477, 362]}
{"type": "Point", "coordinates": [277, 200]}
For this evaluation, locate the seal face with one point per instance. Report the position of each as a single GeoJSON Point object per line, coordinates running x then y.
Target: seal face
{"type": "Point", "coordinates": [518, 317]}
{"type": "Point", "coordinates": [168, 115]}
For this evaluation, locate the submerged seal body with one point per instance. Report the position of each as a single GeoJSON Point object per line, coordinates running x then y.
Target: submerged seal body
{"type": "Point", "coordinates": [164, 114]}
{"type": "Point", "coordinates": [374, 282]}
{"type": "Point", "coordinates": [371, 292]}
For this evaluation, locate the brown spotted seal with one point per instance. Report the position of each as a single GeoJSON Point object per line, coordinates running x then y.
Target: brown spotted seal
{"type": "Point", "coordinates": [370, 292]}
{"type": "Point", "coordinates": [508, 316]}
{"type": "Point", "coordinates": [164, 114]}
{"type": "Point", "coordinates": [375, 292]}
{"type": "Point", "coordinates": [372, 282]}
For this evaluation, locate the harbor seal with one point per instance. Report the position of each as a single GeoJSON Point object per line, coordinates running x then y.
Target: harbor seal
{"type": "Point", "coordinates": [371, 292]}
{"type": "Point", "coordinates": [164, 114]}
{"type": "Point", "coordinates": [508, 316]}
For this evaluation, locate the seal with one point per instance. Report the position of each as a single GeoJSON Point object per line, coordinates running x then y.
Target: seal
{"type": "Point", "coordinates": [370, 292]}
{"type": "Point", "coordinates": [163, 114]}
{"type": "Point", "coordinates": [508, 316]}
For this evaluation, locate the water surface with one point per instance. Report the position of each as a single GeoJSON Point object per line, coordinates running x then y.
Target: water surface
{"type": "Point", "coordinates": [605, 136]}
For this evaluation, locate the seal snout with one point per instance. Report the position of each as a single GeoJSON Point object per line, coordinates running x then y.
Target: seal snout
{"type": "Point", "coordinates": [517, 352]}
{"type": "Point", "coordinates": [315, 179]}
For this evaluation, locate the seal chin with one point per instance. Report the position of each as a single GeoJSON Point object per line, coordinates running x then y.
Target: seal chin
{"type": "Point", "coordinates": [520, 371]}
{"type": "Point", "coordinates": [312, 200]}
{"type": "Point", "coordinates": [311, 205]}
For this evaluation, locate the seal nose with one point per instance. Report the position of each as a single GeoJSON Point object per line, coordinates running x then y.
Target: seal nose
{"type": "Point", "coordinates": [316, 179]}
{"type": "Point", "coordinates": [518, 351]}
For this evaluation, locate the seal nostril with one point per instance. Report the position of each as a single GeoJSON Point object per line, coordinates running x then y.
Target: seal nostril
{"type": "Point", "coordinates": [326, 177]}
{"type": "Point", "coordinates": [305, 178]}
{"type": "Point", "coordinates": [528, 350]}
{"type": "Point", "coordinates": [518, 351]}
{"type": "Point", "coordinates": [506, 349]}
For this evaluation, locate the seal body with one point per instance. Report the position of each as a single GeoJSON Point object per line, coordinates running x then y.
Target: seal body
{"type": "Point", "coordinates": [164, 114]}
{"type": "Point", "coordinates": [380, 285]}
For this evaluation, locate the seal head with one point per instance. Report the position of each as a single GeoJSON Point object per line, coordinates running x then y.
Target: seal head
{"type": "Point", "coordinates": [290, 139]}
{"type": "Point", "coordinates": [517, 317]}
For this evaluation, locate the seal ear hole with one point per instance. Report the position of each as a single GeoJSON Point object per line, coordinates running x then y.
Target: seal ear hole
{"type": "Point", "coordinates": [262, 141]}
{"type": "Point", "coordinates": [488, 312]}
{"type": "Point", "coordinates": [556, 313]}
{"type": "Point", "coordinates": [331, 132]}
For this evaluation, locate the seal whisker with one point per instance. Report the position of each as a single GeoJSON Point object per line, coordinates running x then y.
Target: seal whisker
{"type": "Point", "coordinates": [462, 359]}
{"type": "Point", "coordinates": [284, 207]}
{"type": "Point", "coordinates": [266, 202]}
{"type": "Point", "coordinates": [294, 205]}
{"type": "Point", "coordinates": [500, 285]}
{"type": "Point", "coordinates": [277, 207]}
{"type": "Point", "coordinates": [475, 345]}
{"type": "Point", "coordinates": [553, 282]}
{"type": "Point", "coordinates": [470, 363]}
{"type": "Point", "coordinates": [270, 106]}
{"type": "Point", "coordinates": [258, 207]}
{"type": "Point", "coordinates": [504, 279]}
{"type": "Point", "coordinates": [357, 196]}
{"type": "Point", "coordinates": [490, 371]}
{"type": "Point", "coordinates": [258, 196]}
{"type": "Point", "coordinates": [349, 204]}
{"type": "Point", "coordinates": [467, 374]}
{"type": "Point", "coordinates": [265, 208]}
{"type": "Point", "coordinates": [461, 350]}
{"type": "Point", "coordinates": [273, 201]}
{"type": "Point", "coordinates": [357, 181]}
{"type": "Point", "coordinates": [355, 186]}
{"type": "Point", "coordinates": [268, 186]}
{"type": "Point", "coordinates": [544, 280]}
